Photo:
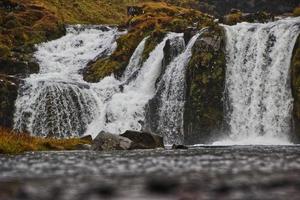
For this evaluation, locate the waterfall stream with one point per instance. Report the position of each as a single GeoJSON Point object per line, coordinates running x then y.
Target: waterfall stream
{"type": "Point", "coordinates": [258, 91]}
{"type": "Point", "coordinates": [58, 102]}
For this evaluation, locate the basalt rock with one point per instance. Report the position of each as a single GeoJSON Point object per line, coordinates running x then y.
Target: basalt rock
{"type": "Point", "coordinates": [295, 74]}
{"type": "Point", "coordinates": [144, 140]}
{"type": "Point", "coordinates": [108, 142]}
{"type": "Point", "coordinates": [203, 113]}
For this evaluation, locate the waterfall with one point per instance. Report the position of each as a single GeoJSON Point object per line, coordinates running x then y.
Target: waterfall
{"type": "Point", "coordinates": [125, 110]}
{"type": "Point", "coordinates": [171, 97]}
{"type": "Point", "coordinates": [56, 101]}
{"type": "Point", "coordinates": [258, 92]}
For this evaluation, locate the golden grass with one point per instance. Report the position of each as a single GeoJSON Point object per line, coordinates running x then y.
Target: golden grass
{"type": "Point", "coordinates": [16, 143]}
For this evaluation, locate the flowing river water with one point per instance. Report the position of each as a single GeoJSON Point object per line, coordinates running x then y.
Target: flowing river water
{"type": "Point", "coordinates": [232, 172]}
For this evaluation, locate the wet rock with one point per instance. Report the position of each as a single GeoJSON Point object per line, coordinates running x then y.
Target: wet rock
{"type": "Point", "coordinates": [179, 146]}
{"type": "Point", "coordinates": [203, 113]}
{"type": "Point", "coordinates": [107, 142]}
{"type": "Point", "coordinates": [144, 140]}
{"type": "Point", "coordinates": [295, 75]}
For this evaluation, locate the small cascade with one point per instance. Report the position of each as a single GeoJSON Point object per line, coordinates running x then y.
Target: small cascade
{"type": "Point", "coordinates": [125, 110]}
{"type": "Point", "coordinates": [170, 97]}
{"type": "Point", "coordinates": [135, 61]}
{"type": "Point", "coordinates": [258, 92]}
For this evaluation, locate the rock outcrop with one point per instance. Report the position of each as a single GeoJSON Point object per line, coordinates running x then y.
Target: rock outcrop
{"type": "Point", "coordinates": [295, 74]}
{"type": "Point", "coordinates": [144, 140]}
{"type": "Point", "coordinates": [203, 114]}
{"type": "Point", "coordinates": [108, 142]}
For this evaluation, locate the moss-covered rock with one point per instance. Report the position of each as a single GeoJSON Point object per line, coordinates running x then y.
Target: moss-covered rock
{"type": "Point", "coordinates": [295, 74]}
{"type": "Point", "coordinates": [203, 115]}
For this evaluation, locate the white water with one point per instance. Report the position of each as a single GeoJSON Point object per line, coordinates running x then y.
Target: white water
{"type": "Point", "coordinates": [258, 82]}
{"type": "Point", "coordinates": [58, 101]}
{"type": "Point", "coordinates": [125, 110]}
{"type": "Point", "coordinates": [170, 123]}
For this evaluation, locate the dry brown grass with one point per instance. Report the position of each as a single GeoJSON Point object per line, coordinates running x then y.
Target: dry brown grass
{"type": "Point", "coordinates": [15, 143]}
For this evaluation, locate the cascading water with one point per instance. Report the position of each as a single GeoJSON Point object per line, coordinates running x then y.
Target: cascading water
{"type": "Point", "coordinates": [125, 110]}
{"type": "Point", "coordinates": [171, 95]}
{"type": "Point", "coordinates": [258, 89]}
{"type": "Point", "coordinates": [57, 100]}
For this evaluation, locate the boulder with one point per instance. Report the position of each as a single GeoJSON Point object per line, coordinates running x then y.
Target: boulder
{"type": "Point", "coordinates": [144, 140]}
{"type": "Point", "coordinates": [108, 142]}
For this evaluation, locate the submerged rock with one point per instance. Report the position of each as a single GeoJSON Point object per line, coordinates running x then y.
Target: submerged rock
{"type": "Point", "coordinates": [107, 142]}
{"type": "Point", "coordinates": [144, 140]}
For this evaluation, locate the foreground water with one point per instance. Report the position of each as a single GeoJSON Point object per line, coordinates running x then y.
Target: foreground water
{"type": "Point", "coordinates": [240, 172]}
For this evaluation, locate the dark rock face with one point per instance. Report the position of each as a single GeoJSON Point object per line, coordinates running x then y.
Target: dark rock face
{"type": "Point", "coordinates": [108, 142]}
{"type": "Point", "coordinates": [295, 74]}
{"type": "Point", "coordinates": [143, 140]}
{"type": "Point", "coordinates": [8, 95]}
{"type": "Point", "coordinates": [222, 7]}
{"type": "Point", "coordinates": [203, 115]}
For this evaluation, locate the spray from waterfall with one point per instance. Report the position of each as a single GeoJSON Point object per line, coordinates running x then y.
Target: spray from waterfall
{"type": "Point", "coordinates": [258, 92]}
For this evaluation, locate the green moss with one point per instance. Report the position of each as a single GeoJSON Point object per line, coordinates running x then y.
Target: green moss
{"type": "Point", "coordinates": [296, 12]}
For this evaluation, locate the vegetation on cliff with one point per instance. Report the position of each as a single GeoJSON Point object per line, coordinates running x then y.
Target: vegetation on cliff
{"type": "Point", "coordinates": [15, 143]}
{"type": "Point", "coordinates": [157, 19]}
